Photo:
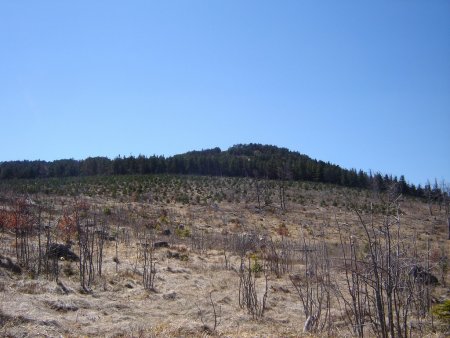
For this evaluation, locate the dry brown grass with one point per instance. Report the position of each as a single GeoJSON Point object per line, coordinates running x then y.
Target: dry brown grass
{"type": "Point", "coordinates": [119, 306]}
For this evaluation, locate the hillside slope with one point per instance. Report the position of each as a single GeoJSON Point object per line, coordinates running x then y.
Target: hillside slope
{"type": "Point", "coordinates": [218, 231]}
{"type": "Point", "coordinates": [252, 160]}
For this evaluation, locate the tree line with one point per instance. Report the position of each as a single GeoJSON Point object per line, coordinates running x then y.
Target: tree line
{"type": "Point", "coordinates": [250, 160]}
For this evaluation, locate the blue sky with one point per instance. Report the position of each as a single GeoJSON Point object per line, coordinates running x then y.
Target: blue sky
{"type": "Point", "coordinates": [362, 84]}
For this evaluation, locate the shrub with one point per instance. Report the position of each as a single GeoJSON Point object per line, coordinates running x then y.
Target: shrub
{"type": "Point", "coordinates": [183, 233]}
{"type": "Point", "coordinates": [442, 311]}
{"type": "Point", "coordinates": [256, 266]}
{"type": "Point", "coordinates": [282, 230]}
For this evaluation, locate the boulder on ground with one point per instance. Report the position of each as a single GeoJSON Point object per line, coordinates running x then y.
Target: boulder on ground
{"type": "Point", "coordinates": [422, 276]}
{"type": "Point", "coordinates": [161, 244]}
{"type": "Point", "coordinates": [58, 251]}
{"type": "Point", "coordinates": [7, 263]}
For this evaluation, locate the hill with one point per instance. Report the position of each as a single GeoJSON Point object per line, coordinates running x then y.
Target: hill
{"type": "Point", "coordinates": [252, 160]}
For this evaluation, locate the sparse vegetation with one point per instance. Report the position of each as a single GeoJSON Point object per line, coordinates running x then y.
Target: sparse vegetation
{"type": "Point", "coordinates": [341, 260]}
{"type": "Point", "coordinates": [442, 312]}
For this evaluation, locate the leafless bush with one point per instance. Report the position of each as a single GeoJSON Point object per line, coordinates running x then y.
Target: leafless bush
{"type": "Point", "coordinates": [241, 244]}
{"type": "Point", "coordinates": [198, 241]}
{"type": "Point", "coordinates": [225, 250]}
{"type": "Point", "coordinates": [148, 261]}
{"type": "Point", "coordinates": [385, 282]}
{"type": "Point", "coordinates": [101, 235]}
{"type": "Point", "coordinates": [280, 255]}
{"type": "Point", "coordinates": [215, 314]}
{"type": "Point", "coordinates": [249, 295]}
{"type": "Point", "coordinates": [356, 306]}
{"type": "Point", "coordinates": [90, 232]}
{"type": "Point", "coordinates": [21, 219]}
{"type": "Point", "coordinates": [314, 287]}
{"type": "Point", "coordinates": [86, 240]}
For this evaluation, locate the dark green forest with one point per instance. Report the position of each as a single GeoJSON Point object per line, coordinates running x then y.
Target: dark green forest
{"type": "Point", "coordinates": [252, 160]}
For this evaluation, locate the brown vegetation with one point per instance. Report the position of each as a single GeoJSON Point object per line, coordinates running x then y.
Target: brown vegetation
{"type": "Point", "coordinates": [239, 258]}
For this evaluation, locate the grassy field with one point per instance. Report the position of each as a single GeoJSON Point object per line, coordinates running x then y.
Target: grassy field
{"type": "Point", "coordinates": [241, 258]}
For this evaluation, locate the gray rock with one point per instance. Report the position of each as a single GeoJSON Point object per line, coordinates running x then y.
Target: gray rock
{"type": "Point", "coordinates": [57, 251]}
{"type": "Point", "coordinates": [170, 296]}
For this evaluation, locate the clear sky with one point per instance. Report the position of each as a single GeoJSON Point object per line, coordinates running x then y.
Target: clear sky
{"type": "Point", "coordinates": [362, 84]}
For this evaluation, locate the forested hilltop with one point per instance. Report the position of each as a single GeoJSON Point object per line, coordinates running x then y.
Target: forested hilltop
{"type": "Point", "coordinates": [251, 160]}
